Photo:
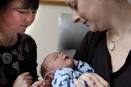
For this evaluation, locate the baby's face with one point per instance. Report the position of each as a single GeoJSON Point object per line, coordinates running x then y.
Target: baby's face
{"type": "Point", "coordinates": [58, 60]}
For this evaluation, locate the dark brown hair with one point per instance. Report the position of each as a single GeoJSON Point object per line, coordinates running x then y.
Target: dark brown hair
{"type": "Point", "coordinates": [33, 4]}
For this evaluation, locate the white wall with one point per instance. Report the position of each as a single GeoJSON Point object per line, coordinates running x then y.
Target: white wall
{"type": "Point", "coordinates": [45, 29]}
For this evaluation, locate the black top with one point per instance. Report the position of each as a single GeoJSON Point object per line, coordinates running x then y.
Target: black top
{"type": "Point", "coordinates": [17, 59]}
{"type": "Point", "coordinates": [93, 50]}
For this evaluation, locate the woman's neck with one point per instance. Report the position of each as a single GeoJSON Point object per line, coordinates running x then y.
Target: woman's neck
{"type": "Point", "coordinates": [120, 18]}
{"type": "Point", "coordinates": [121, 21]}
{"type": "Point", "coordinates": [7, 39]}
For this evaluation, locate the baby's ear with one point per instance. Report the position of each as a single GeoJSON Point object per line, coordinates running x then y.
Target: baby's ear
{"type": "Point", "coordinates": [49, 75]}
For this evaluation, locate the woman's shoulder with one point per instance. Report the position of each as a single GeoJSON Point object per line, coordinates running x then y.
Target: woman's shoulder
{"type": "Point", "coordinates": [97, 35]}
{"type": "Point", "coordinates": [25, 37]}
{"type": "Point", "coordinates": [94, 37]}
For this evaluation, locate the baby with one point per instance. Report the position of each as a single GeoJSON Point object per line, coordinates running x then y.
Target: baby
{"type": "Point", "coordinates": [62, 70]}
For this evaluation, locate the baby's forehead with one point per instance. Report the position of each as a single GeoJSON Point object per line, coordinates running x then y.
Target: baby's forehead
{"type": "Point", "coordinates": [52, 55]}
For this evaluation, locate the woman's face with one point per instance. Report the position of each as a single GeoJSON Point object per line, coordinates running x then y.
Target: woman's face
{"type": "Point", "coordinates": [92, 13]}
{"type": "Point", "coordinates": [16, 18]}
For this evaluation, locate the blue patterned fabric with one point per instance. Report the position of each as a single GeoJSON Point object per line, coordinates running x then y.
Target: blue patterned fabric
{"type": "Point", "coordinates": [64, 77]}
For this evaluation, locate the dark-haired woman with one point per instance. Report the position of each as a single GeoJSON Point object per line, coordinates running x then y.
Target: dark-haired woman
{"type": "Point", "coordinates": [17, 49]}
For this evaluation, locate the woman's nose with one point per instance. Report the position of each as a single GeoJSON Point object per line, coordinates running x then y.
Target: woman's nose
{"type": "Point", "coordinates": [76, 17]}
{"type": "Point", "coordinates": [29, 17]}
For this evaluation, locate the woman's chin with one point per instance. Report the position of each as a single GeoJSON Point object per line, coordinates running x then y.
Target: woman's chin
{"type": "Point", "coordinates": [93, 29]}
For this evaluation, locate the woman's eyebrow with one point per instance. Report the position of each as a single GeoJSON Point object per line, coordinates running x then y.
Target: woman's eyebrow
{"type": "Point", "coordinates": [75, 4]}
{"type": "Point", "coordinates": [72, 4]}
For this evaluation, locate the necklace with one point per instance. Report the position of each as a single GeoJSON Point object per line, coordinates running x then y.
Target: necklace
{"type": "Point", "coordinates": [111, 43]}
{"type": "Point", "coordinates": [113, 39]}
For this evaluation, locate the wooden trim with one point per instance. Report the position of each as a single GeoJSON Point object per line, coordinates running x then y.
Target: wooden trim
{"type": "Point", "coordinates": [53, 2]}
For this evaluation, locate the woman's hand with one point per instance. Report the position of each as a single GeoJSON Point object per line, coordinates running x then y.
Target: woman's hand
{"type": "Point", "coordinates": [23, 80]}
{"type": "Point", "coordinates": [42, 83]}
{"type": "Point", "coordinates": [93, 80]}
